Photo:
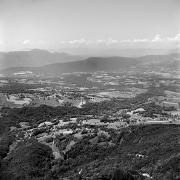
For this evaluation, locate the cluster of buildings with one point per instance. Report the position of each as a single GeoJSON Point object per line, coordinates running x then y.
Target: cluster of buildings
{"type": "Point", "coordinates": [171, 100]}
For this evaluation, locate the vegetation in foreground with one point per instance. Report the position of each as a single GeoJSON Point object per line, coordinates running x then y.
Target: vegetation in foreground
{"type": "Point", "coordinates": [152, 150]}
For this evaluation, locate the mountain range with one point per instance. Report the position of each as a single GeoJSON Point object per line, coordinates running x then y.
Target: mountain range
{"type": "Point", "coordinates": [93, 64]}
{"type": "Point", "coordinates": [34, 58]}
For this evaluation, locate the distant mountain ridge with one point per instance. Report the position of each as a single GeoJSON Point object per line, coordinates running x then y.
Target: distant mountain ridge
{"type": "Point", "coordinates": [94, 64]}
{"type": "Point", "coordinates": [34, 58]}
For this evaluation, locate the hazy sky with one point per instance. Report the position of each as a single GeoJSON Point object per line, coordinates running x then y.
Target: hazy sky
{"type": "Point", "coordinates": [56, 24]}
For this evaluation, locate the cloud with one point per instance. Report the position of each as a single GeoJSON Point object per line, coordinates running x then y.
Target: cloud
{"type": "Point", "coordinates": [78, 41]}
{"type": "Point", "coordinates": [87, 42]}
{"type": "Point", "coordinates": [111, 41]}
{"type": "Point", "coordinates": [101, 41]}
{"type": "Point", "coordinates": [175, 38]}
{"type": "Point", "coordinates": [135, 40]}
{"type": "Point", "coordinates": [26, 42]}
{"type": "Point", "coordinates": [140, 40]}
{"type": "Point", "coordinates": [157, 38]}
{"type": "Point", "coordinates": [126, 41]}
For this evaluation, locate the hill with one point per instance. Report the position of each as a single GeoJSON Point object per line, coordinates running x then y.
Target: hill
{"type": "Point", "coordinates": [33, 58]}
{"type": "Point", "coordinates": [89, 65]}
{"type": "Point", "coordinates": [151, 149]}
{"type": "Point", "coordinates": [93, 64]}
{"type": "Point", "coordinates": [136, 153]}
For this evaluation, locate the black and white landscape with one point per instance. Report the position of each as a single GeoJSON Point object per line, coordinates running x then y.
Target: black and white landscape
{"type": "Point", "coordinates": [89, 90]}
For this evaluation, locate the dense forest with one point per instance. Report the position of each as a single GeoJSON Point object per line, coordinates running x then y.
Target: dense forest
{"type": "Point", "coordinates": [153, 149]}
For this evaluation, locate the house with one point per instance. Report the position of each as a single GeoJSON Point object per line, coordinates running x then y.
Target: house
{"type": "Point", "coordinates": [94, 99]}
{"type": "Point", "coordinates": [46, 123]}
{"type": "Point", "coordinates": [139, 110]}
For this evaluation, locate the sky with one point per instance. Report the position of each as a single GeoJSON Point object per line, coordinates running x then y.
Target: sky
{"type": "Point", "coordinates": [57, 24]}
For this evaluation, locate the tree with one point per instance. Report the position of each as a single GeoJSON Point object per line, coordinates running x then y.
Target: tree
{"type": "Point", "coordinates": [29, 161]}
